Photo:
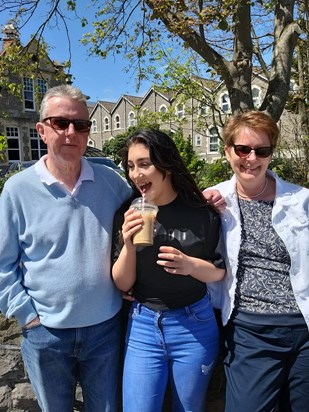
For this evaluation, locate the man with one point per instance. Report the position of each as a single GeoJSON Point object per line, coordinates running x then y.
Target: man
{"type": "Point", "coordinates": [55, 246]}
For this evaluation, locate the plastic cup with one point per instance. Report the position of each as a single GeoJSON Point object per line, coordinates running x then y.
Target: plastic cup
{"type": "Point", "coordinates": [148, 210]}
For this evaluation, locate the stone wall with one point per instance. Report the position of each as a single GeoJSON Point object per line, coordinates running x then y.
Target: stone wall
{"type": "Point", "coordinates": [15, 390]}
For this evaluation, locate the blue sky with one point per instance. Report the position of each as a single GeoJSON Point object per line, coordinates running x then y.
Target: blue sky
{"type": "Point", "coordinates": [100, 79]}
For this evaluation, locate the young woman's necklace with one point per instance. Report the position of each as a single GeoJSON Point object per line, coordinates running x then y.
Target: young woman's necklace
{"type": "Point", "coordinates": [253, 196]}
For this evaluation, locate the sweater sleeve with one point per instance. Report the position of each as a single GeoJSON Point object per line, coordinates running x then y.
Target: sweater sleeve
{"type": "Point", "coordinates": [14, 300]}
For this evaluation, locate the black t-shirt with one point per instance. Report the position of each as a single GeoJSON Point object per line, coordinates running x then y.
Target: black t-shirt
{"type": "Point", "coordinates": [195, 231]}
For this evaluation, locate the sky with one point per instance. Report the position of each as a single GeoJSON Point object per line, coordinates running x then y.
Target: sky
{"type": "Point", "coordinates": [100, 79]}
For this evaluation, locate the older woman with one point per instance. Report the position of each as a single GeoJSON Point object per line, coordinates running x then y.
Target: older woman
{"type": "Point", "coordinates": [264, 297]}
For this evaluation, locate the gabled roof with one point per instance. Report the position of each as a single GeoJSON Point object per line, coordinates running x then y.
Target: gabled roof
{"type": "Point", "coordinates": [108, 106]}
{"type": "Point", "coordinates": [208, 84]}
{"type": "Point", "coordinates": [91, 106]}
{"type": "Point", "coordinates": [132, 100]}
{"type": "Point", "coordinates": [31, 47]}
{"type": "Point", "coordinates": [165, 94]}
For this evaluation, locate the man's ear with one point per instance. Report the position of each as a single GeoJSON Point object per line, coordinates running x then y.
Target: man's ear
{"type": "Point", "coordinates": [40, 129]}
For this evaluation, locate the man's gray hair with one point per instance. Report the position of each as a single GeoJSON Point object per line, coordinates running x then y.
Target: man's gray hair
{"type": "Point", "coordinates": [64, 90]}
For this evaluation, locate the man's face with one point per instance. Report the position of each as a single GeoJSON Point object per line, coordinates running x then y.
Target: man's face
{"type": "Point", "coordinates": [64, 146]}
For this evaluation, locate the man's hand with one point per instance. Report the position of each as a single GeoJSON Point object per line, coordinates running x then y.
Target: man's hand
{"type": "Point", "coordinates": [32, 323]}
{"type": "Point", "coordinates": [215, 199]}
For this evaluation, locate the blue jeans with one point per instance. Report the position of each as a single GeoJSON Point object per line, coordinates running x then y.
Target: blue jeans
{"type": "Point", "coordinates": [178, 344]}
{"type": "Point", "coordinates": [57, 358]}
{"type": "Point", "coordinates": [266, 366]}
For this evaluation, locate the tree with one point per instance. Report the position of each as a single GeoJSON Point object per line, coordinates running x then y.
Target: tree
{"type": "Point", "coordinates": [3, 146]}
{"type": "Point", "coordinates": [230, 37]}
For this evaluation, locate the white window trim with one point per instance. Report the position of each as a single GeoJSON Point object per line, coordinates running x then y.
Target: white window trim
{"type": "Point", "coordinates": [15, 129]}
{"type": "Point", "coordinates": [131, 119]}
{"type": "Point", "coordinates": [94, 126]}
{"type": "Point", "coordinates": [181, 111]}
{"type": "Point", "coordinates": [211, 135]}
{"type": "Point", "coordinates": [106, 121]}
{"type": "Point", "coordinates": [28, 109]}
{"type": "Point", "coordinates": [117, 127]}
{"type": "Point", "coordinates": [228, 103]}
{"type": "Point", "coordinates": [257, 99]}
{"type": "Point", "coordinates": [198, 141]}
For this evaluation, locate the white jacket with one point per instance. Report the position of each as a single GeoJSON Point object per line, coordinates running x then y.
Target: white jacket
{"type": "Point", "coordinates": [290, 219]}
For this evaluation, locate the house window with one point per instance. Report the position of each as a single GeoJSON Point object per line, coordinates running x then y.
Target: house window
{"type": "Point", "coordinates": [203, 109]}
{"type": "Point", "coordinates": [132, 121]}
{"type": "Point", "coordinates": [117, 121]}
{"type": "Point", "coordinates": [42, 86]}
{"type": "Point", "coordinates": [225, 103]}
{"type": "Point", "coordinates": [94, 127]}
{"type": "Point", "coordinates": [293, 85]}
{"type": "Point", "coordinates": [198, 141]}
{"type": "Point", "coordinates": [38, 147]}
{"type": "Point", "coordinates": [106, 123]}
{"type": "Point", "coordinates": [256, 93]}
{"type": "Point", "coordinates": [28, 93]}
{"type": "Point", "coordinates": [13, 143]}
{"type": "Point", "coordinates": [213, 139]}
{"type": "Point", "coordinates": [180, 111]}
{"type": "Point", "coordinates": [163, 108]}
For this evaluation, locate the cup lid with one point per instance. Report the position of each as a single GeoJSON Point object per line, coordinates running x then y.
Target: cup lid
{"type": "Point", "coordinates": [142, 203]}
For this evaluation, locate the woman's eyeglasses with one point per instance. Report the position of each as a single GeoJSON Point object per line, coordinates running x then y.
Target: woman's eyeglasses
{"type": "Point", "coordinates": [61, 123]}
{"type": "Point", "coordinates": [244, 151]}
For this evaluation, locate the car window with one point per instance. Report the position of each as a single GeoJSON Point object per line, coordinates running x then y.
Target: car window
{"type": "Point", "coordinates": [105, 161]}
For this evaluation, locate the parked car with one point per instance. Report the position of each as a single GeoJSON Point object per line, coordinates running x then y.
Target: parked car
{"type": "Point", "coordinates": [105, 161]}
{"type": "Point", "coordinates": [3, 170]}
{"type": "Point", "coordinates": [19, 165]}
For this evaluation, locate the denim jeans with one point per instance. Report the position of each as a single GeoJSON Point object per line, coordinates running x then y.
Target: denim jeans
{"type": "Point", "coordinates": [178, 344]}
{"type": "Point", "coordinates": [57, 358]}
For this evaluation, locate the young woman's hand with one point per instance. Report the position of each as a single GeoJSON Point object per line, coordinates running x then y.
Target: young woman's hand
{"type": "Point", "coordinates": [132, 223]}
{"type": "Point", "coordinates": [174, 261]}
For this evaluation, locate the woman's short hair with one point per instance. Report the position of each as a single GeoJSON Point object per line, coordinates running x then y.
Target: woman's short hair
{"type": "Point", "coordinates": [253, 119]}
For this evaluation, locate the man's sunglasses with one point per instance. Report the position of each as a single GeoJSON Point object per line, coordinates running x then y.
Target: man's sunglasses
{"type": "Point", "coordinates": [61, 123]}
{"type": "Point", "coordinates": [244, 151]}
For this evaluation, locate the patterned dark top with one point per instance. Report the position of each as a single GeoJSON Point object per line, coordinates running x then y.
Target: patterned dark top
{"type": "Point", "coordinates": [263, 281]}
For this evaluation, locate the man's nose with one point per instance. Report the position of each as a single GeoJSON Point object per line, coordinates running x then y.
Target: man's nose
{"type": "Point", "coordinates": [70, 129]}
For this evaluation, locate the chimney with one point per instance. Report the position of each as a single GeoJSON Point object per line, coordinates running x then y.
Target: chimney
{"type": "Point", "coordinates": [10, 36]}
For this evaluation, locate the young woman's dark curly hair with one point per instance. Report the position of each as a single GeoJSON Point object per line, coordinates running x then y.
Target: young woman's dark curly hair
{"type": "Point", "coordinates": [165, 157]}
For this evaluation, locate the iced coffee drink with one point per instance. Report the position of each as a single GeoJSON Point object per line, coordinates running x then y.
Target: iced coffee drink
{"type": "Point", "coordinates": [144, 237]}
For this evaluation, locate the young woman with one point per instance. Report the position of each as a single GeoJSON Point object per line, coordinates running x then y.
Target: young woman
{"type": "Point", "coordinates": [172, 331]}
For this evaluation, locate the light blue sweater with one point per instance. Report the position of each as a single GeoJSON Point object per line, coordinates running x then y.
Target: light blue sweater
{"type": "Point", "coordinates": [64, 244]}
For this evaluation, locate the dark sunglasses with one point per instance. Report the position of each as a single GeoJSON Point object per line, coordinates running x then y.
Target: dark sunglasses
{"type": "Point", "coordinates": [61, 123]}
{"type": "Point", "coordinates": [244, 151]}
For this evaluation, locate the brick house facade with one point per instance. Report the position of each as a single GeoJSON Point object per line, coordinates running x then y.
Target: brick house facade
{"type": "Point", "coordinates": [18, 116]}
{"type": "Point", "coordinates": [200, 119]}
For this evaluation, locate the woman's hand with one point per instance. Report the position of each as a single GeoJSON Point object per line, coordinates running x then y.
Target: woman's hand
{"type": "Point", "coordinates": [177, 263]}
{"type": "Point", "coordinates": [174, 261]}
{"type": "Point", "coordinates": [132, 223]}
{"type": "Point", "coordinates": [215, 199]}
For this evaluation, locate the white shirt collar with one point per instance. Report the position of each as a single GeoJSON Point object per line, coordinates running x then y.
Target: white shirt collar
{"type": "Point", "coordinates": [46, 177]}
